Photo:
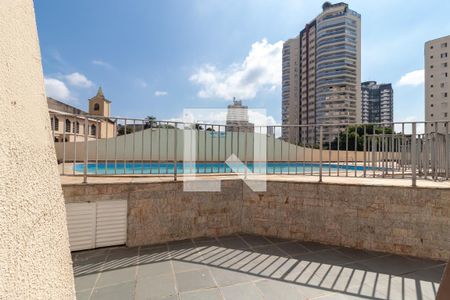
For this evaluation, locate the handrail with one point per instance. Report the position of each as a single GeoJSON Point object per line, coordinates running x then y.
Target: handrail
{"type": "Point", "coordinates": [113, 146]}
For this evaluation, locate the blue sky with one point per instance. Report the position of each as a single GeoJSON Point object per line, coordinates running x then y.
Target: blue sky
{"type": "Point", "coordinates": [159, 57]}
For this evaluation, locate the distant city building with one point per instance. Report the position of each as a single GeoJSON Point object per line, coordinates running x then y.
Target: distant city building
{"type": "Point", "coordinates": [68, 122]}
{"type": "Point", "coordinates": [321, 80]}
{"type": "Point", "coordinates": [290, 110]}
{"type": "Point", "coordinates": [237, 118]}
{"type": "Point", "coordinates": [437, 82]}
{"type": "Point", "coordinates": [377, 102]}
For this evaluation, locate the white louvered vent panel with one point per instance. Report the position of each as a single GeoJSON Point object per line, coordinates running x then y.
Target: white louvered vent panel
{"type": "Point", "coordinates": [81, 225]}
{"type": "Point", "coordinates": [111, 223]}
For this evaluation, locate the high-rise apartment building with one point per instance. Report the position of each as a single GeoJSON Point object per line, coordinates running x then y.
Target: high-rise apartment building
{"type": "Point", "coordinates": [237, 117]}
{"type": "Point", "coordinates": [437, 82]}
{"type": "Point", "coordinates": [377, 102]}
{"type": "Point", "coordinates": [328, 82]}
{"type": "Point", "coordinates": [290, 113]}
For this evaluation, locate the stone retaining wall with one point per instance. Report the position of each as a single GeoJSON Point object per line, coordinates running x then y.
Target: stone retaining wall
{"type": "Point", "coordinates": [401, 220]}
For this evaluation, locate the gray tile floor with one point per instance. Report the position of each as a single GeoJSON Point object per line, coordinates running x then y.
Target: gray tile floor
{"type": "Point", "coordinates": [251, 267]}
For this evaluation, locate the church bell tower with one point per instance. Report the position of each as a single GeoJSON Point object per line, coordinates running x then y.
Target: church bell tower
{"type": "Point", "coordinates": [99, 105]}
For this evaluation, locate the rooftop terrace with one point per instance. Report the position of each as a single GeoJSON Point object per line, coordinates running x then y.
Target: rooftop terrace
{"type": "Point", "coordinates": [251, 267]}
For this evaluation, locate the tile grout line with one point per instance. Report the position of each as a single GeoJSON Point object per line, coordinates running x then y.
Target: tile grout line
{"type": "Point", "coordinates": [137, 270]}
{"type": "Point", "coordinates": [99, 274]}
{"type": "Point", "coordinates": [177, 293]}
{"type": "Point", "coordinates": [215, 282]}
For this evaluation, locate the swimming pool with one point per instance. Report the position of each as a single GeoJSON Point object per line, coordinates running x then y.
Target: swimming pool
{"type": "Point", "coordinates": [112, 168]}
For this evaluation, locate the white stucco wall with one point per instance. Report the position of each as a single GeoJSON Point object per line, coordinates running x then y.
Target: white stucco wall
{"type": "Point", "coordinates": [35, 260]}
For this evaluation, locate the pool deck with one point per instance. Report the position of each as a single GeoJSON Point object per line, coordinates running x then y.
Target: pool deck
{"type": "Point", "coordinates": [350, 180]}
{"type": "Point", "coordinates": [251, 267]}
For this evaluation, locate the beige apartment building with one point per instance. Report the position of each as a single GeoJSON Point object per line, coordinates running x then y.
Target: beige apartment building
{"type": "Point", "coordinates": [68, 122]}
{"type": "Point", "coordinates": [329, 80]}
{"type": "Point", "coordinates": [290, 113]}
{"type": "Point", "coordinates": [237, 118]}
{"type": "Point", "coordinates": [437, 83]}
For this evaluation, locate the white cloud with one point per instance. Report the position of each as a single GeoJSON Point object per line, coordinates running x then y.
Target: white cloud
{"type": "Point", "coordinates": [261, 69]}
{"type": "Point", "coordinates": [259, 118]}
{"type": "Point", "coordinates": [161, 93]}
{"type": "Point", "coordinates": [101, 63]}
{"type": "Point", "coordinates": [56, 89]}
{"type": "Point", "coordinates": [413, 78]}
{"type": "Point", "coordinates": [78, 80]}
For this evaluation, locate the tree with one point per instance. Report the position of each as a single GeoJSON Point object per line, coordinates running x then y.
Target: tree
{"type": "Point", "coordinates": [357, 132]}
{"type": "Point", "coordinates": [198, 126]}
{"type": "Point", "coordinates": [166, 126]}
{"type": "Point", "coordinates": [121, 129]}
{"type": "Point", "coordinates": [150, 122]}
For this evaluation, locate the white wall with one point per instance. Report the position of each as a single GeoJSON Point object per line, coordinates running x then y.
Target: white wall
{"type": "Point", "coordinates": [35, 260]}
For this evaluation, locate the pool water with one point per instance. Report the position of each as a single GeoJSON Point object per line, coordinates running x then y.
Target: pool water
{"type": "Point", "coordinates": [208, 168]}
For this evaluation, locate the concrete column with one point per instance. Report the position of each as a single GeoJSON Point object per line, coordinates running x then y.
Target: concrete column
{"type": "Point", "coordinates": [35, 260]}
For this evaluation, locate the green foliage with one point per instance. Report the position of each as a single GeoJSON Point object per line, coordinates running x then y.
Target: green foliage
{"type": "Point", "coordinates": [356, 133]}
{"type": "Point", "coordinates": [121, 129]}
{"type": "Point", "coordinates": [150, 122]}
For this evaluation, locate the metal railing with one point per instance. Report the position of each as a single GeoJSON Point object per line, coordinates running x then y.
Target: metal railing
{"type": "Point", "coordinates": [98, 146]}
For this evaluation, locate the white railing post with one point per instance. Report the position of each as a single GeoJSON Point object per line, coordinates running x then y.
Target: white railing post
{"type": "Point", "coordinates": [86, 132]}
{"type": "Point", "coordinates": [413, 154]}
{"type": "Point", "coordinates": [175, 152]}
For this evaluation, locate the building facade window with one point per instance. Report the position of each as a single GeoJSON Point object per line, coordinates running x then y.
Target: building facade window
{"type": "Point", "coordinates": [68, 125]}
{"type": "Point", "coordinates": [96, 107]}
{"type": "Point", "coordinates": [76, 127]}
{"type": "Point", "coordinates": [93, 129]}
{"type": "Point", "coordinates": [55, 123]}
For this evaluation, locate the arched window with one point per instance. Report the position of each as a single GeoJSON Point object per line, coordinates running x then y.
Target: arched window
{"type": "Point", "coordinates": [96, 107]}
{"type": "Point", "coordinates": [93, 129]}
{"type": "Point", "coordinates": [76, 127]}
{"type": "Point", "coordinates": [55, 124]}
{"type": "Point", "coordinates": [68, 125]}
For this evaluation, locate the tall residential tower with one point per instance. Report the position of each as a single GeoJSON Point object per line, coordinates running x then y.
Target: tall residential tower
{"type": "Point", "coordinates": [377, 102]}
{"type": "Point", "coordinates": [290, 113]}
{"type": "Point", "coordinates": [329, 77]}
{"type": "Point", "coordinates": [437, 82]}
